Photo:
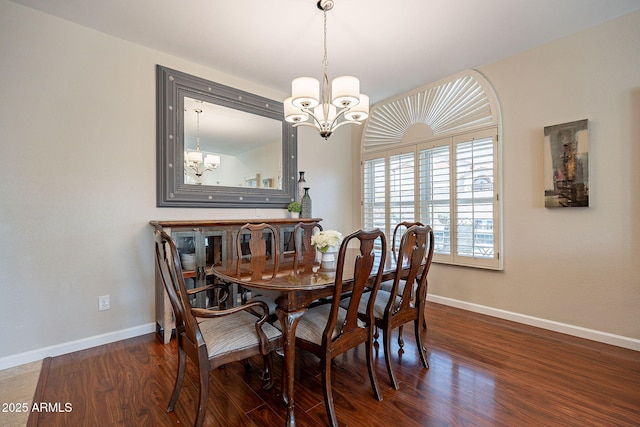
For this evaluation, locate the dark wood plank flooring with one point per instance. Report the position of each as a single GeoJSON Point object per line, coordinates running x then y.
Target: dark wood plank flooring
{"type": "Point", "coordinates": [483, 372]}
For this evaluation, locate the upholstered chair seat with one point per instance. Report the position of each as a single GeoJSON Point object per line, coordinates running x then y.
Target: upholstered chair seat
{"type": "Point", "coordinates": [215, 333]}
{"type": "Point", "coordinates": [313, 322]}
{"type": "Point", "coordinates": [379, 307]}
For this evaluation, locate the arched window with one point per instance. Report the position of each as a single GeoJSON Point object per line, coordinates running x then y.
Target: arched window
{"type": "Point", "coordinates": [432, 155]}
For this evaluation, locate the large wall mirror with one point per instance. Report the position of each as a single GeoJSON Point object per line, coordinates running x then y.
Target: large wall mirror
{"type": "Point", "coordinates": [221, 147]}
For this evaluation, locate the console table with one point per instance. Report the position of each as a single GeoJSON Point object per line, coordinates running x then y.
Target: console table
{"type": "Point", "coordinates": [212, 242]}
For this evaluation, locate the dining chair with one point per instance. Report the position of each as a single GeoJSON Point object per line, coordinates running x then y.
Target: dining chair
{"type": "Point", "coordinates": [397, 234]}
{"type": "Point", "coordinates": [387, 285]}
{"type": "Point", "coordinates": [329, 330]}
{"type": "Point", "coordinates": [400, 306]}
{"type": "Point", "coordinates": [211, 338]}
{"type": "Point", "coordinates": [304, 249]}
{"type": "Point", "coordinates": [258, 252]}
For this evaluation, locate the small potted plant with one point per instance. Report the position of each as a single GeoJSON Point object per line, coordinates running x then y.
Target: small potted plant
{"type": "Point", "coordinates": [294, 209]}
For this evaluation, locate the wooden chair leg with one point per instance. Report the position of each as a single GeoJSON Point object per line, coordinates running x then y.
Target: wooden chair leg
{"type": "Point", "coordinates": [370, 367]}
{"type": "Point", "coordinates": [204, 394]}
{"type": "Point", "coordinates": [421, 348]}
{"type": "Point", "coordinates": [386, 337]}
{"type": "Point", "coordinates": [266, 372]}
{"type": "Point", "coordinates": [328, 394]}
{"type": "Point", "coordinates": [182, 364]}
{"type": "Point", "coordinates": [400, 340]}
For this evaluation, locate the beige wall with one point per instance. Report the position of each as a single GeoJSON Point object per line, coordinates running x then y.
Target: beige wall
{"type": "Point", "coordinates": [78, 183]}
{"type": "Point", "coordinates": [77, 174]}
{"type": "Point", "coordinates": [578, 266]}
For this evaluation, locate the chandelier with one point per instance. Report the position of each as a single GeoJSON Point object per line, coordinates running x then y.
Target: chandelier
{"type": "Point", "coordinates": [194, 163]}
{"type": "Point", "coordinates": [326, 110]}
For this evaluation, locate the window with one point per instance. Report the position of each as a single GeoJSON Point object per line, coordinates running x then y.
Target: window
{"type": "Point", "coordinates": [432, 155]}
{"type": "Point", "coordinates": [448, 183]}
{"type": "Point", "coordinates": [474, 197]}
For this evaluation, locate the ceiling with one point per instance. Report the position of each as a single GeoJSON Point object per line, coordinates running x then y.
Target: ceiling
{"type": "Point", "coordinates": [392, 47]}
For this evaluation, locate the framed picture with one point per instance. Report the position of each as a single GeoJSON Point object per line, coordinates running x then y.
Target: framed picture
{"type": "Point", "coordinates": [566, 165]}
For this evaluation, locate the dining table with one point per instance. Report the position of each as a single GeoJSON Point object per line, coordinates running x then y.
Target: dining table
{"type": "Point", "coordinates": [294, 282]}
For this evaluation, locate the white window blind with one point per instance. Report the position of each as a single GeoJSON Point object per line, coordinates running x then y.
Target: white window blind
{"type": "Point", "coordinates": [401, 190]}
{"type": "Point", "coordinates": [474, 198]}
{"type": "Point", "coordinates": [435, 195]}
{"type": "Point", "coordinates": [374, 193]}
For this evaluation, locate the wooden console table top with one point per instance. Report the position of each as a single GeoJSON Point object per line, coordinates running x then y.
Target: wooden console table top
{"type": "Point", "coordinates": [228, 222]}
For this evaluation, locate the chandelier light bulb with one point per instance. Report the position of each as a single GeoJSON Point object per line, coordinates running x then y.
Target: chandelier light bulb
{"type": "Point", "coordinates": [293, 114]}
{"type": "Point", "coordinates": [345, 91]}
{"type": "Point", "coordinates": [330, 116]}
{"type": "Point", "coordinates": [305, 92]}
{"type": "Point", "coordinates": [212, 160]}
{"type": "Point", "coordinates": [361, 111]}
{"type": "Point", "coordinates": [195, 156]}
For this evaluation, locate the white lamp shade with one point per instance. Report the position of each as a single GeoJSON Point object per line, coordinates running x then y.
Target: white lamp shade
{"type": "Point", "coordinates": [293, 114]}
{"type": "Point", "coordinates": [361, 111]}
{"type": "Point", "coordinates": [345, 91]}
{"type": "Point", "coordinates": [305, 92]}
{"type": "Point", "coordinates": [194, 156]}
{"type": "Point", "coordinates": [212, 160]}
{"type": "Point", "coordinates": [319, 113]}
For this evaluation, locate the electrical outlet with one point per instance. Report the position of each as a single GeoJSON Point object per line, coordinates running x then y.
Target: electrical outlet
{"type": "Point", "coordinates": [104, 303]}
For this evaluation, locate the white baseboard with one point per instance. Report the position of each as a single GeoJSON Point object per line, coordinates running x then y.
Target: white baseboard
{"type": "Point", "coordinates": [577, 331]}
{"type": "Point", "coordinates": [68, 347]}
{"type": "Point", "coordinates": [64, 348]}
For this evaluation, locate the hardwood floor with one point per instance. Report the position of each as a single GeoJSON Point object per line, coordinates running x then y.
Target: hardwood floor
{"type": "Point", "coordinates": [483, 372]}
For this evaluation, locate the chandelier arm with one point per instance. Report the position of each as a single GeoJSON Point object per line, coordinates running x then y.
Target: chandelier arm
{"type": "Point", "coordinates": [315, 118]}
{"type": "Point", "coordinates": [295, 125]}
{"type": "Point", "coordinates": [335, 119]}
{"type": "Point", "coordinates": [346, 122]}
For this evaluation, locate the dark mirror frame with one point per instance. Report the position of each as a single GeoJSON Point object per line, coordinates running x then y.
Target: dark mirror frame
{"type": "Point", "coordinates": [172, 87]}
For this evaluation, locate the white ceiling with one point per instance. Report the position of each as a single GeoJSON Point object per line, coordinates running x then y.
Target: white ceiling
{"type": "Point", "coordinates": [392, 46]}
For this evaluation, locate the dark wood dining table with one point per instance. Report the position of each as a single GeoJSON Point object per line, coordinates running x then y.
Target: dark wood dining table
{"type": "Point", "coordinates": [294, 283]}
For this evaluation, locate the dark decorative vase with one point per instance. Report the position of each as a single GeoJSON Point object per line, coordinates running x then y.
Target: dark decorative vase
{"type": "Point", "coordinates": [306, 204]}
{"type": "Point", "coordinates": [301, 184]}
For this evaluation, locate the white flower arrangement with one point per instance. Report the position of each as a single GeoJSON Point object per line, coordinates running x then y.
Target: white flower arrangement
{"type": "Point", "coordinates": [323, 240]}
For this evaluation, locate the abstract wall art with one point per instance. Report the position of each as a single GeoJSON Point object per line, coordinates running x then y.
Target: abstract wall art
{"type": "Point", "coordinates": [566, 165]}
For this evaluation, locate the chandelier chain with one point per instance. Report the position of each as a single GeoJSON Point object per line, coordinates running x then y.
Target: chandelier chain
{"type": "Point", "coordinates": [326, 95]}
{"type": "Point", "coordinates": [325, 61]}
{"type": "Point", "coordinates": [198, 111]}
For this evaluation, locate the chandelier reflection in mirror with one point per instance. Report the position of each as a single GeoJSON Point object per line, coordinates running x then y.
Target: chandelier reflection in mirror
{"type": "Point", "coordinates": [194, 164]}
{"type": "Point", "coordinates": [326, 110]}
